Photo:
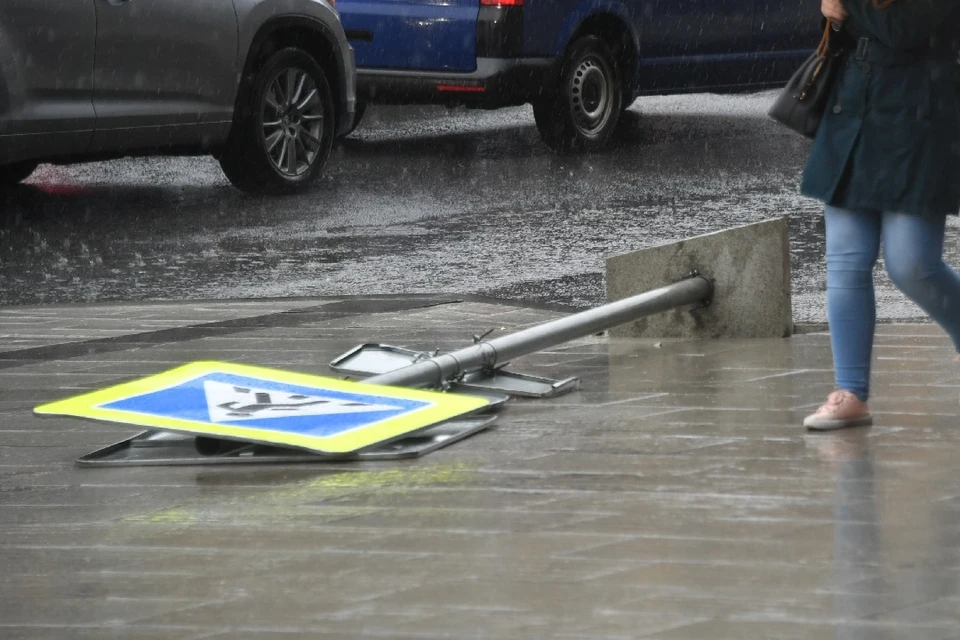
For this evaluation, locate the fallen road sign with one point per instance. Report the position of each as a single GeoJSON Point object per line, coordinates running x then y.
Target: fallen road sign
{"type": "Point", "coordinates": [269, 406]}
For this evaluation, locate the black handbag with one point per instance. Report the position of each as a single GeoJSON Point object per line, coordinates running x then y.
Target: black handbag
{"type": "Point", "coordinates": [801, 104]}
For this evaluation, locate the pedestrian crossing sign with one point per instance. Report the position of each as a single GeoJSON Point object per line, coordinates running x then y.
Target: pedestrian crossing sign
{"type": "Point", "coordinates": [269, 406]}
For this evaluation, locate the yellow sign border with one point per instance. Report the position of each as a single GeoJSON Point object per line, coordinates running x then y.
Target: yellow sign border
{"type": "Point", "coordinates": [443, 406]}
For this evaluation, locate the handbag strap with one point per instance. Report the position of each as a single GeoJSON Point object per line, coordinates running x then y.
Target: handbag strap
{"type": "Point", "coordinates": [822, 52]}
{"type": "Point", "coordinates": [824, 47]}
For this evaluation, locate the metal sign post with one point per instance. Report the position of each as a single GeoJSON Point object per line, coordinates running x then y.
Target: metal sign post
{"type": "Point", "coordinates": [481, 365]}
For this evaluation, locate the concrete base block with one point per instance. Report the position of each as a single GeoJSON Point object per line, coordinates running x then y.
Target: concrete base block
{"type": "Point", "coordinates": [750, 269]}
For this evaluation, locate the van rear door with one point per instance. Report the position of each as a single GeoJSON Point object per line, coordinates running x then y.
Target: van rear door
{"type": "Point", "coordinates": [417, 35]}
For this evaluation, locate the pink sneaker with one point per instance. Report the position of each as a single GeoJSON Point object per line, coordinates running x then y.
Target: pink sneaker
{"type": "Point", "coordinates": [843, 410]}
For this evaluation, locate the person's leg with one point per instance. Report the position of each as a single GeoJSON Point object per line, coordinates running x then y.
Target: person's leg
{"type": "Point", "coordinates": [853, 243]}
{"type": "Point", "coordinates": [913, 252]}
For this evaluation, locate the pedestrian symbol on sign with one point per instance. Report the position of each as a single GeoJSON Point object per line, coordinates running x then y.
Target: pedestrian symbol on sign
{"type": "Point", "coordinates": [228, 403]}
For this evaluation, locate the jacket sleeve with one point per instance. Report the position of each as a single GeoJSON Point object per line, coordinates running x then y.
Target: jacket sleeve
{"type": "Point", "coordinates": [905, 24]}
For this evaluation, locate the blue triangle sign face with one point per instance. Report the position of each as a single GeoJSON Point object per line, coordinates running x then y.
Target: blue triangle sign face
{"type": "Point", "coordinates": [232, 400]}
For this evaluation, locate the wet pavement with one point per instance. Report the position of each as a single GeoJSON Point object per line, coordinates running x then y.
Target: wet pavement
{"type": "Point", "coordinates": [422, 201]}
{"type": "Point", "coordinates": [674, 497]}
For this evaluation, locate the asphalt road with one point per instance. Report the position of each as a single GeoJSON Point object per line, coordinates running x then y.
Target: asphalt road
{"type": "Point", "coordinates": [422, 200]}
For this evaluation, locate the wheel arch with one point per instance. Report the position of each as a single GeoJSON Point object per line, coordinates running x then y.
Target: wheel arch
{"type": "Point", "coordinates": [311, 35]}
{"type": "Point", "coordinates": [612, 23]}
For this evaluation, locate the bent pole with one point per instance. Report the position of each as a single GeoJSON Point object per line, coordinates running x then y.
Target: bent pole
{"type": "Point", "coordinates": [489, 354]}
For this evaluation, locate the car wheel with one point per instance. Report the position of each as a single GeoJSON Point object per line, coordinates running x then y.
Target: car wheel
{"type": "Point", "coordinates": [14, 174]}
{"type": "Point", "coordinates": [281, 138]}
{"type": "Point", "coordinates": [583, 111]}
{"type": "Point", "coordinates": [361, 109]}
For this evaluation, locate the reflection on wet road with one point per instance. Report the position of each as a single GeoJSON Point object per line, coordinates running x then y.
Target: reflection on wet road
{"type": "Point", "coordinates": [420, 200]}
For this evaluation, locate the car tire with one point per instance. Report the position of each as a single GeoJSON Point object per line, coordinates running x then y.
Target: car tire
{"type": "Point", "coordinates": [360, 110]}
{"type": "Point", "coordinates": [13, 174]}
{"type": "Point", "coordinates": [583, 110]}
{"type": "Point", "coordinates": [282, 135]}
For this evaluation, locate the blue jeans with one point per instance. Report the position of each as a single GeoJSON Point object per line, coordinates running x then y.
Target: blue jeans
{"type": "Point", "coordinates": [913, 253]}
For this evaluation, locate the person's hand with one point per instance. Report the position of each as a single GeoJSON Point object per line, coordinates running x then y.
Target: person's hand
{"type": "Point", "coordinates": [833, 10]}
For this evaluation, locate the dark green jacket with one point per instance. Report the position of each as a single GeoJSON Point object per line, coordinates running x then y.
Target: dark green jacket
{"type": "Point", "coordinates": [890, 139]}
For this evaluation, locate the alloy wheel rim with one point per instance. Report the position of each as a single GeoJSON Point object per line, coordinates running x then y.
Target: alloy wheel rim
{"type": "Point", "coordinates": [291, 117]}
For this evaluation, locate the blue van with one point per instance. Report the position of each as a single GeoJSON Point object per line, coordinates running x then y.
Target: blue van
{"type": "Point", "coordinates": [579, 62]}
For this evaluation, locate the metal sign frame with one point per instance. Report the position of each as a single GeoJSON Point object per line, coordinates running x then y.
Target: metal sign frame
{"type": "Point", "coordinates": [380, 359]}
{"type": "Point", "coordinates": [164, 449]}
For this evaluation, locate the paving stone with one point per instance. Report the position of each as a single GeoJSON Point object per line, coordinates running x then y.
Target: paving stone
{"type": "Point", "coordinates": [76, 632]}
{"type": "Point", "coordinates": [796, 630]}
{"type": "Point", "coordinates": [87, 610]}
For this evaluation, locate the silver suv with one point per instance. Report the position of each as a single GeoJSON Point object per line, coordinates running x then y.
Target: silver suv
{"type": "Point", "coordinates": [263, 85]}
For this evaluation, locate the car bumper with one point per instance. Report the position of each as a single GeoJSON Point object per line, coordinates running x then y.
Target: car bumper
{"type": "Point", "coordinates": [496, 82]}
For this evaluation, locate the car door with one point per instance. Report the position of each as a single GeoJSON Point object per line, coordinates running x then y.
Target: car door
{"type": "Point", "coordinates": [421, 35]}
{"type": "Point", "coordinates": [785, 33]}
{"type": "Point", "coordinates": [46, 77]}
{"type": "Point", "coordinates": [165, 73]}
{"type": "Point", "coordinates": [696, 44]}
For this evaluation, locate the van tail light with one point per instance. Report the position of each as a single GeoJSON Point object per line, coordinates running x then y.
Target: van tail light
{"type": "Point", "coordinates": [500, 27]}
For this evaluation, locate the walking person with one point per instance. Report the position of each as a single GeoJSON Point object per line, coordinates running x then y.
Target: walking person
{"type": "Point", "coordinates": [886, 163]}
